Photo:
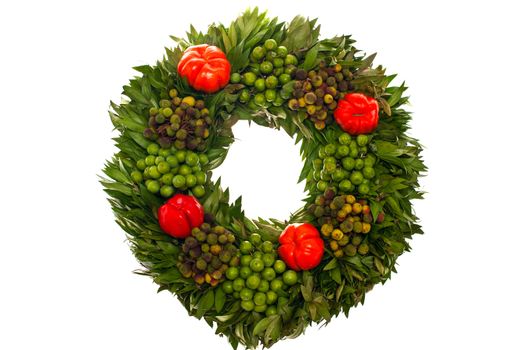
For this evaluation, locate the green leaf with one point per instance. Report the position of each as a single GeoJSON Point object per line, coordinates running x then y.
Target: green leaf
{"type": "Point", "coordinates": [132, 125]}
{"type": "Point", "coordinates": [366, 63]}
{"type": "Point", "coordinates": [385, 106]}
{"type": "Point", "coordinates": [339, 291]}
{"type": "Point", "coordinates": [307, 286]}
{"type": "Point", "coordinates": [306, 292]}
{"type": "Point", "coordinates": [331, 265]}
{"type": "Point", "coordinates": [226, 41]}
{"type": "Point", "coordinates": [393, 203]}
{"type": "Point", "coordinates": [310, 58]}
{"type": "Point", "coordinates": [396, 95]}
{"type": "Point", "coordinates": [273, 330]}
{"type": "Point", "coordinates": [301, 34]}
{"type": "Point", "coordinates": [116, 174]}
{"type": "Point", "coordinates": [205, 303]}
{"type": "Point", "coordinates": [139, 139]}
{"type": "Point", "coordinates": [375, 209]}
{"type": "Point", "coordinates": [262, 325]}
{"type": "Point", "coordinates": [219, 299]}
{"type": "Point", "coordinates": [135, 95]}
{"type": "Point", "coordinates": [169, 276]}
{"type": "Point", "coordinates": [336, 275]}
{"type": "Point", "coordinates": [115, 186]}
{"type": "Point", "coordinates": [379, 265]}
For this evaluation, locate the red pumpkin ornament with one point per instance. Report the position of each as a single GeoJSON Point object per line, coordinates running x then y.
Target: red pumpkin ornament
{"type": "Point", "coordinates": [179, 215]}
{"type": "Point", "coordinates": [301, 246]}
{"type": "Point", "coordinates": [357, 114]}
{"type": "Point", "coordinates": [205, 67]}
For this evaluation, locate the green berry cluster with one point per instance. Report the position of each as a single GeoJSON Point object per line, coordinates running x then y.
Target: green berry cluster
{"type": "Point", "coordinates": [165, 170]}
{"type": "Point", "coordinates": [271, 67]}
{"type": "Point", "coordinates": [346, 165]}
{"type": "Point", "coordinates": [181, 122]}
{"type": "Point", "coordinates": [317, 92]}
{"type": "Point", "coordinates": [261, 280]}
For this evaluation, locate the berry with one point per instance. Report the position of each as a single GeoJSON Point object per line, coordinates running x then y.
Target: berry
{"type": "Point", "coordinates": [276, 285]}
{"type": "Point", "coordinates": [259, 99]}
{"type": "Point", "coordinates": [330, 150]}
{"type": "Point", "coordinates": [301, 74]}
{"type": "Point", "coordinates": [271, 82]}
{"type": "Point", "coordinates": [270, 95]}
{"type": "Point", "coordinates": [270, 44]}
{"type": "Point", "coordinates": [260, 298]}
{"type": "Point", "coordinates": [291, 60]}
{"type": "Point", "coordinates": [245, 96]}
{"type": "Point", "coordinates": [154, 173]}
{"type": "Point", "coordinates": [235, 78]}
{"type": "Point", "coordinates": [279, 266]}
{"type": "Point", "coordinates": [249, 78]}
{"type": "Point", "coordinates": [278, 63]}
{"type": "Point", "coordinates": [198, 191]}
{"type": "Point", "coordinates": [264, 286]}
{"type": "Point", "coordinates": [253, 282]}
{"type": "Point", "coordinates": [260, 308]}
{"type": "Point", "coordinates": [259, 84]}
{"type": "Point", "coordinates": [268, 274]}
{"type": "Point", "coordinates": [189, 100]}
{"type": "Point", "coordinates": [363, 249]}
{"type": "Point", "coordinates": [179, 181]}
{"type": "Point", "coordinates": [257, 265]}
{"type": "Point", "coordinates": [362, 140]}
{"type": "Point", "coordinates": [192, 159]}
{"type": "Point", "coordinates": [137, 176]}
{"type": "Point", "coordinates": [227, 287]}
{"type": "Point", "coordinates": [153, 186]}
{"type": "Point", "coordinates": [356, 178]}
{"type": "Point", "coordinates": [368, 172]}
{"type": "Point", "coordinates": [290, 277]}
{"type": "Point", "coordinates": [267, 247]}
{"type": "Point", "coordinates": [246, 247]}
{"type": "Point", "coordinates": [246, 294]}
{"type": "Point", "coordinates": [282, 51]}
{"type": "Point", "coordinates": [166, 112]}
{"type": "Point", "coordinates": [363, 188]}
{"type": "Point", "coordinates": [271, 297]}
{"type": "Point", "coordinates": [190, 180]}
{"type": "Point", "coordinates": [245, 260]}
{"type": "Point", "coordinates": [266, 67]}
{"type": "Point", "coordinates": [247, 305]}
{"type": "Point", "coordinates": [350, 250]}
{"type": "Point", "coordinates": [166, 191]}
{"type": "Point", "coordinates": [258, 52]}
{"type": "Point", "coordinates": [245, 272]}
{"type": "Point", "coordinates": [284, 78]}
{"type": "Point", "coordinates": [345, 186]}
{"type": "Point", "coordinates": [255, 239]}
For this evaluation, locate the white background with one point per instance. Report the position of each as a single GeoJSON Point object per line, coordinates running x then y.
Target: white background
{"type": "Point", "coordinates": [65, 268]}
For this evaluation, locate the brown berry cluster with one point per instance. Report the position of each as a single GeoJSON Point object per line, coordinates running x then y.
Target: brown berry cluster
{"type": "Point", "coordinates": [317, 92]}
{"type": "Point", "coordinates": [207, 253]}
{"type": "Point", "coordinates": [179, 122]}
{"type": "Point", "coordinates": [345, 222]}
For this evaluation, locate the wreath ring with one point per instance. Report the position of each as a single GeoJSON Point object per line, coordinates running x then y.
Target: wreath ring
{"type": "Point", "coordinates": [262, 280]}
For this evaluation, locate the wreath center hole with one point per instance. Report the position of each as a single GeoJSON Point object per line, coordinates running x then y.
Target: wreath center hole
{"type": "Point", "coordinates": [263, 166]}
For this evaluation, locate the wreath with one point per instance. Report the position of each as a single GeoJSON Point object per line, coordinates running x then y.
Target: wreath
{"type": "Point", "coordinates": [259, 281]}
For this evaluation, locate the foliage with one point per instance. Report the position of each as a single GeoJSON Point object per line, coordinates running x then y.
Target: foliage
{"type": "Point", "coordinates": [337, 284]}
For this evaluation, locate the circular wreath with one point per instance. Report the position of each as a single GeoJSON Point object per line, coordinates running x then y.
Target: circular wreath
{"type": "Point", "coordinates": [259, 281]}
